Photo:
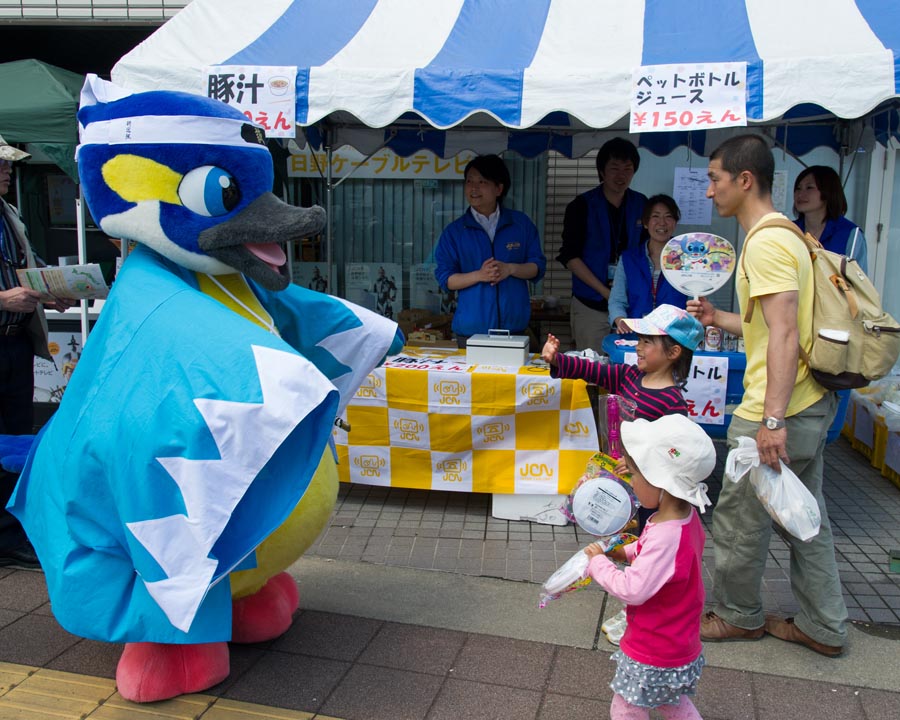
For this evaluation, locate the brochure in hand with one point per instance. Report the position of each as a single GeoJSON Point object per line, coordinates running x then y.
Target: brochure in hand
{"type": "Point", "coordinates": [69, 282]}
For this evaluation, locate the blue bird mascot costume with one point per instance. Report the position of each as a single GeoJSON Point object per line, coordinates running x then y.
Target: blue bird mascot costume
{"type": "Point", "coordinates": [189, 463]}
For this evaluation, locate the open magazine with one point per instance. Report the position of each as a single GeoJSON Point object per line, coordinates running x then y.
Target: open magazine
{"type": "Point", "coordinates": [70, 282]}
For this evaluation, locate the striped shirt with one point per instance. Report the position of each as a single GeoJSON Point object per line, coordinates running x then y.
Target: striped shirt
{"type": "Point", "coordinates": [626, 381]}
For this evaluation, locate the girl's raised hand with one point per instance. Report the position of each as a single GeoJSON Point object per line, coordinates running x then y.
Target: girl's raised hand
{"type": "Point", "coordinates": [551, 348]}
{"type": "Point", "coordinates": [593, 550]}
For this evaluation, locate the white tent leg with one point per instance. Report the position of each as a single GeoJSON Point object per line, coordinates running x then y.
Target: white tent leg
{"type": "Point", "coordinates": [878, 209]}
{"type": "Point", "coordinates": [82, 259]}
{"type": "Point", "coordinates": [329, 204]}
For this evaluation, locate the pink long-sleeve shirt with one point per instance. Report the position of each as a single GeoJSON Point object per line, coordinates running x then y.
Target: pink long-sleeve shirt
{"type": "Point", "coordinates": [662, 589]}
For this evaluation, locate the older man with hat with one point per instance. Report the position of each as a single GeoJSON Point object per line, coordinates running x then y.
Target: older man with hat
{"type": "Point", "coordinates": [23, 334]}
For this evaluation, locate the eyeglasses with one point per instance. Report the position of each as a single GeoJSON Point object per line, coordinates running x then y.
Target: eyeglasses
{"type": "Point", "coordinates": [5, 164]}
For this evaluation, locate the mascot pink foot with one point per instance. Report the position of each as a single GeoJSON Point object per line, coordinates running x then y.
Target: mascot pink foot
{"type": "Point", "coordinates": [148, 671]}
{"type": "Point", "coordinates": [266, 614]}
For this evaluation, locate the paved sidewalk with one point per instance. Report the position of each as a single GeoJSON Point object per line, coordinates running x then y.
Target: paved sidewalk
{"type": "Point", "coordinates": [455, 532]}
{"type": "Point", "coordinates": [383, 635]}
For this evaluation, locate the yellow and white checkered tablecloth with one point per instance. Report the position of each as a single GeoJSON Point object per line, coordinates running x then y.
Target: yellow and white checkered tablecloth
{"type": "Point", "coordinates": [429, 421]}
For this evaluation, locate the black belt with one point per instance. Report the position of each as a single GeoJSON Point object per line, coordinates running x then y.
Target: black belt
{"type": "Point", "coordinates": [17, 329]}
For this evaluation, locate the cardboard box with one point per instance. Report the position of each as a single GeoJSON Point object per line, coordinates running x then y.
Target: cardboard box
{"type": "Point", "coordinates": [497, 349]}
{"type": "Point", "coordinates": [427, 338]}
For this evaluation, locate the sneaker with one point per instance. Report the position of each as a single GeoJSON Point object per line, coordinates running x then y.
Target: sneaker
{"type": "Point", "coordinates": [21, 556]}
{"type": "Point", "coordinates": [614, 627]}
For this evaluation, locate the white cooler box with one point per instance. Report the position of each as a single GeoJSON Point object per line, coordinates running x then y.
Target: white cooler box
{"type": "Point", "coordinates": [498, 347]}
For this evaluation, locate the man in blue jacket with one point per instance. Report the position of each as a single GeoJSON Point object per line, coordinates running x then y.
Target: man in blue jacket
{"type": "Point", "coordinates": [488, 256]}
{"type": "Point", "coordinates": [598, 227]}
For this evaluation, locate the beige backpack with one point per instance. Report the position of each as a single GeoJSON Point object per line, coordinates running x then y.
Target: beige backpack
{"type": "Point", "coordinates": [854, 340]}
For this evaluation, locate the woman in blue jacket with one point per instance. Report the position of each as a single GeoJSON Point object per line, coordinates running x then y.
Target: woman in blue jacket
{"type": "Point", "coordinates": [639, 285]}
{"type": "Point", "coordinates": [820, 204]}
{"type": "Point", "coordinates": [488, 256]}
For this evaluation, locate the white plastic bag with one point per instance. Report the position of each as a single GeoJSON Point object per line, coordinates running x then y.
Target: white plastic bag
{"type": "Point", "coordinates": [785, 498]}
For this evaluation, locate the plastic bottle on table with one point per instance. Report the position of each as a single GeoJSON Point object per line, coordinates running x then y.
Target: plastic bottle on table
{"type": "Point", "coordinates": [612, 426]}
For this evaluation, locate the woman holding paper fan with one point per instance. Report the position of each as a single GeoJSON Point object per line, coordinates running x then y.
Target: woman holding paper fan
{"type": "Point", "coordinates": [820, 204]}
{"type": "Point", "coordinates": [639, 285]}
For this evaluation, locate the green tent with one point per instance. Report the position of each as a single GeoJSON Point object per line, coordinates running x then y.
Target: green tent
{"type": "Point", "coordinates": [38, 108]}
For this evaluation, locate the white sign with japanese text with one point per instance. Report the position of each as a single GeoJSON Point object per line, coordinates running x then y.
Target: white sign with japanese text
{"type": "Point", "coordinates": [705, 390]}
{"type": "Point", "coordinates": [701, 96]}
{"type": "Point", "coordinates": [266, 94]}
{"type": "Point", "coordinates": [423, 165]}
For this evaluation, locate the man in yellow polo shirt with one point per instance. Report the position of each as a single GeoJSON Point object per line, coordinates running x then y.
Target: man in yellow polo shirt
{"type": "Point", "coordinates": [783, 408]}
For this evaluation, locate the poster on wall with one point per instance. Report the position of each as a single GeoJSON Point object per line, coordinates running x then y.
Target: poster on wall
{"type": "Point", "coordinates": [376, 286]}
{"type": "Point", "coordinates": [52, 377]}
{"type": "Point", "coordinates": [424, 292]}
{"type": "Point", "coordinates": [780, 193]}
{"type": "Point", "coordinates": [315, 276]}
{"type": "Point", "coordinates": [689, 193]}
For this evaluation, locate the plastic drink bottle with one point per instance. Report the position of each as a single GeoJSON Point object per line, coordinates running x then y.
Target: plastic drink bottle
{"type": "Point", "coordinates": [612, 425]}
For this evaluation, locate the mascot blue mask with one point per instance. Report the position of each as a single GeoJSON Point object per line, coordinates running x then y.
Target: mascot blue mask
{"type": "Point", "coordinates": [189, 177]}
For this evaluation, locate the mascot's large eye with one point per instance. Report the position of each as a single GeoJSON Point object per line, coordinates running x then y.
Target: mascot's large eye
{"type": "Point", "coordinates": [209, 191]}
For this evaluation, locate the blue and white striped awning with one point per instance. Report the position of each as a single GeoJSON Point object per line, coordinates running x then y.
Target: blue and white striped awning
{"type": "Point", "coordinates": [528, 63]}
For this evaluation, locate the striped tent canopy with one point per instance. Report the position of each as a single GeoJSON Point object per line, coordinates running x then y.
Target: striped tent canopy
{"type": "Point", "coordinates": [532, 75]}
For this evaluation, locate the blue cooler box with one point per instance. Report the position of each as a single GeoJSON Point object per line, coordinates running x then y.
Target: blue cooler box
{"type": "Point", "coordinates": [734, 390]}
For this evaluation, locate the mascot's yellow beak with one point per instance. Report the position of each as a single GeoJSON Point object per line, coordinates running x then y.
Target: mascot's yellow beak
{"type": "Point", "coordinates": [138, 179]}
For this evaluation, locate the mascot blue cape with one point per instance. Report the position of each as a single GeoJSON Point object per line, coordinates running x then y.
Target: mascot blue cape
{"type": "Point", "coordinates": [195, 420]}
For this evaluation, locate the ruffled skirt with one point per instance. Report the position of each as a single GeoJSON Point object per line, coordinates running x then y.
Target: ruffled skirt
{"type": "Point", "coordinates": [649, 686]}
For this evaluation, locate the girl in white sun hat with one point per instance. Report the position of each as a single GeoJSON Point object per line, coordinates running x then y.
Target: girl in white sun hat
{"type": "Point", "coordinates": [660, 656]}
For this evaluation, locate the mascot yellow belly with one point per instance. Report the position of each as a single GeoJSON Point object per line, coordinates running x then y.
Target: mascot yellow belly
{"type": "Point", "coordinates": [284, 546]}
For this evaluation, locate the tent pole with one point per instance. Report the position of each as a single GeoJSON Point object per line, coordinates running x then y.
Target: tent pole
{"type": "Point", "coordinates": [82, 259]}
{"type": "Point", "coordinates": [329, 198]}
{"type": "Point", "coordinates": [289, 247]}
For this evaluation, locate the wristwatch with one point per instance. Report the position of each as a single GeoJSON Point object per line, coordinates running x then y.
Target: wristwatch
{"type": "Point", "coordinates": [773, 423]}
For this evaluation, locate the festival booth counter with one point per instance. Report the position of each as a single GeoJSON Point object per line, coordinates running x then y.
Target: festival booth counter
{"type": "Point", "coordinates": [428, 420]}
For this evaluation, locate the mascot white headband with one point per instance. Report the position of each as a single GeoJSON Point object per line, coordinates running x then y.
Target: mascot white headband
{"type": "Point", "coordinates": [162, 129]}
{"type": "Point", "coordinates": [172, 130]}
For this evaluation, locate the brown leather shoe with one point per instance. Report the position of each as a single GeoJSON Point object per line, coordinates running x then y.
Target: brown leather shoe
{"type": "Point", "coordinates": [715, 629]}
{"type": "Point", "coordinates": [784, 629]}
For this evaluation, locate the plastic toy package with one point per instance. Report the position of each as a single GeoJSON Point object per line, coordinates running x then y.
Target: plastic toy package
{"type": "Point", "coordinates": [601, 503]}
{"type": "Point", "coordinates": [572, 575]}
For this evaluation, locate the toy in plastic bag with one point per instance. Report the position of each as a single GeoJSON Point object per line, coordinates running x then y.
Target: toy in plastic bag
{"type": "Point", "coordinates": [600, 465]}
{"type": "Point", "coordinates": [572, 575]}
{"type": "Point", "coordinates": [786, 499]}
{"type": "Point", "coordinates": [603, 505]}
